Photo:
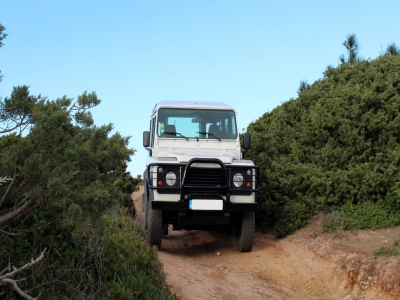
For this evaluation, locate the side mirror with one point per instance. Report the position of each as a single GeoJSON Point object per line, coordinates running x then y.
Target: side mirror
{"type": "Point", "coordinates": [146, 139]}
{"type": "Point", "coordinates": [246, 141]}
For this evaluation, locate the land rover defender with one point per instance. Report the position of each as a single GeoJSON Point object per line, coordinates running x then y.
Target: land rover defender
{"type": "Point", "coordinates": [196, 177]}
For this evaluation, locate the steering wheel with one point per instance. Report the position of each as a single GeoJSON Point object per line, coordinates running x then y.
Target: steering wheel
{"type": "Point", "coordinates": [222, 135]}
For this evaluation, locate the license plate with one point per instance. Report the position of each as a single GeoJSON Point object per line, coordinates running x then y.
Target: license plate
{"type": "Point", "coordinates": [200, 204]}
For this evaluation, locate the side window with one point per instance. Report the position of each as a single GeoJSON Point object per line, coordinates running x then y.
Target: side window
{"type": "Point", "coordinates": [152, 132]}
{"type": "Point", "coordinates": [232, 126]}
{"type": "Point", "coordinates": [160, 127]}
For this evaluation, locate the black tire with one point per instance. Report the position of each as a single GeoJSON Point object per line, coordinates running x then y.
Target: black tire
{"type": "Point", "coordinates": [144, 202]}
{"type": "Point", "coordinates": [165, 229]}
{"type": "Point", "coordinates": [146, 215]}
{"type": "Point", "coordinates": [154, 226]}
{"type": "Point", "coordinates": [245, 236]}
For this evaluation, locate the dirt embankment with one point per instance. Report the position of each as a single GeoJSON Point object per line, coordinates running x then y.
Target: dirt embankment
{"type": "Point", "coordinates": [305, 265]}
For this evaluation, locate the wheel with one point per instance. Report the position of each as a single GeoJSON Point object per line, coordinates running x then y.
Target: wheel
{"type": "Point", "coordinates": [144, 201]}
{"type": "Point", "coordinates": [144, 210]}
{"type": "Point", "coordinates": [245, 236]}
{"type": "Point", "coordinates": [165, 229]}
{"type": "Point", "coordinates": [146, 215]}
{"type": "Point", "coordinates": [154, 226]}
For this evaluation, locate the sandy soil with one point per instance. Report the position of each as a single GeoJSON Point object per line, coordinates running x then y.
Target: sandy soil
{"type": "Point", "coordinates": [305, 265]}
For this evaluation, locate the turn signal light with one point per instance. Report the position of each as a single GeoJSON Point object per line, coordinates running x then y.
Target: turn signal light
{"type": "Point", "coordinates": [160, 183]}
{"type": "Point", "coordinates": [248, 185]}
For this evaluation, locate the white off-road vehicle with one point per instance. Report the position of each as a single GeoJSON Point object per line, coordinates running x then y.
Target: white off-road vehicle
{"type": "Point", "coordinates": [196, 177]}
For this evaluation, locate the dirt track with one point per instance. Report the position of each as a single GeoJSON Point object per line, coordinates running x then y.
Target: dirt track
{"type": "Point", "coordinates": [306, 265]}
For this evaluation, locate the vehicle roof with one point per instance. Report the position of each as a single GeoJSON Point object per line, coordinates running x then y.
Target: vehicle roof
{"type": "Point", "coordinates": [192, 104]}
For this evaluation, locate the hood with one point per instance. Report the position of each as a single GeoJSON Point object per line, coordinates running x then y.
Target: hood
{"type": "Point", "coordinates": [181, 157]}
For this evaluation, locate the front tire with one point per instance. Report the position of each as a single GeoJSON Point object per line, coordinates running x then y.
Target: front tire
{"type": "Point", "coordinates": [154, 226]}
{"type": "Point", "coordinates": [145, 209]}
{"type": "Point", "coordinates": [165, 230]}
{"type": "Point", "coordinates": [245, 236]}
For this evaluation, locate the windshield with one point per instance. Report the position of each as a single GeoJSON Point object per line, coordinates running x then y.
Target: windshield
{"type": "Point", "coordinates": [196, 123]}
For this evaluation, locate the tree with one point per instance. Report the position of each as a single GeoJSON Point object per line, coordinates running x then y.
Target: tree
{"type": "Point", "coordinates": [3, 35]}
{"type": "Point", "coordinates": [63, 161]}
{"type": "Point", "coordinates": [352, 46]}
{"type": "Point", "coordinates": [62, 184]}
{"type": "Point", "coordinates": [392, 49]}
{"type": "Point", "coordinates": [56, 167]}
{"type": "Point", "coordinates": [303, 86]}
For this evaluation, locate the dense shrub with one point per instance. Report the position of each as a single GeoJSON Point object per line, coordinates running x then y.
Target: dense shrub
{"type": "Point", "coordinates": [106, 260]}
{"type": "Point", "coordinates": [366, 215]}
{"type": "Point", "coordinates": [57, 181]}
{"type": "Point", "coordinates": [337, 144]}
{"type": "Point", "coordinates": [127, 185]}
{"type": "Point", "coordinates": [131, 268]}
{"type": "Point", "coordinates": [390, 250]}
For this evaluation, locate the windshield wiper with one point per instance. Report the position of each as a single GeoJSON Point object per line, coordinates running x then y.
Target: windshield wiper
{"type": "Point", "coordinates": [202, 132]}
{"type": "Point", "coordinates": [175, 133]}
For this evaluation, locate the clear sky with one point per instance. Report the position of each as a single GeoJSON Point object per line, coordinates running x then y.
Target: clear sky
{"type": "Point", "coordinates": [249, 54]}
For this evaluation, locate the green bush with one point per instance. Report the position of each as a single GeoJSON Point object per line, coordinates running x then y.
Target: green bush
{"type": "Point", "coordinates": [59, 174]}
{"type": "Point", "coordinates": [57, 182]}
{"type": "Point", "coordinates": [106, 260]}
{"type": "Point", "coordinates": [126, 184]}
{"type": "Point", "coordinates": [293, 216]}
{"type": "Point", "coordinates": [392, 250]}
{"type": "Point", "coordinates": [131, 268]}
{"type": "Point", "coordinates": [366, 215]}
{"type": "Point", "coordinates": [336, 144]}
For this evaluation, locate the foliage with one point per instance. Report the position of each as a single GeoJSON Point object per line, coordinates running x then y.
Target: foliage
{"type": "Point", "coordinates": [127, 185]}
{"type": "Point", "coordinates": [366, 215]}
{"type": "Point", "coordinates": [131, 269]}
{"type": "Point", "coordinates": [57, 171]}
{"type": "Point", "coordinates": [352, 47]}
{"type": "Point", "coordinates": [61, 177]}
{"type": "Point", "coordinates": [3, 35]}
{"type": "Point", "coordinates": [336, 144]}
{"type": "Point", "coordinates": [392, 49]}
{"type": "Point", "coordinates": [291, 217]}
{"type": "Point", "coordinates": [106, 260]}
{"type": "Point", "coordinates": [64, 164]}
{"type": "Point", "coordinates": [303, 86]}
{"type": "Point", "coordinates": [391, 250]}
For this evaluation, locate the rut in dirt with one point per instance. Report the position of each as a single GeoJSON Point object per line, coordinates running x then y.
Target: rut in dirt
{"type": "Point", "coordinates": [207, 265]}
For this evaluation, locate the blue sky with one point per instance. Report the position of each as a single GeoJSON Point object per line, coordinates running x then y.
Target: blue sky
{"type": "Point", "coordinates": [133, 54]}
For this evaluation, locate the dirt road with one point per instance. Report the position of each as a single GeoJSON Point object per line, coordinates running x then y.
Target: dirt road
{"type": "Point", "coordinates": [306, 265]}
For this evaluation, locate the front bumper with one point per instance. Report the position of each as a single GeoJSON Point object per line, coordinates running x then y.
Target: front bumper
{"type": "Point", "coordinates": [204, 179]}
{"type": "Point", "coordinates": [184, 206]}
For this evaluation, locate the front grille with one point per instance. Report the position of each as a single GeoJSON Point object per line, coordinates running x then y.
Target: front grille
{"type": "Point", "coordinates": [204, 180]}
{"type": "Point", "coordinates": [204, 177]}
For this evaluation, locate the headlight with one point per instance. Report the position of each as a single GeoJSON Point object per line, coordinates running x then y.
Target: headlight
{"type": "Point", "coordinates": [238, 180]}
{"type": "Point", "coordinates": [170, 178]}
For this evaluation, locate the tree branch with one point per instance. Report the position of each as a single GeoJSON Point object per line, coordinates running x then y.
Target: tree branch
{"type": "Point", "coordinates": [19, 211]}
{"type": "Point", "coordinates": [7, 191]}
{"type": "Point", "coordinates": [16, 231]}
{"type": "Point", "coordinates": [7, 233]}
{"type": "Point", "coordinates": [19, 124]}
{"type": "Point", "coordinates": [6, 269]}
{"type": "Point", "coordinates": [18, 270]}
{"type": "Point", "coordinates": [13, 284]}
{"type": "Point", "coordinates": [5, 279]}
